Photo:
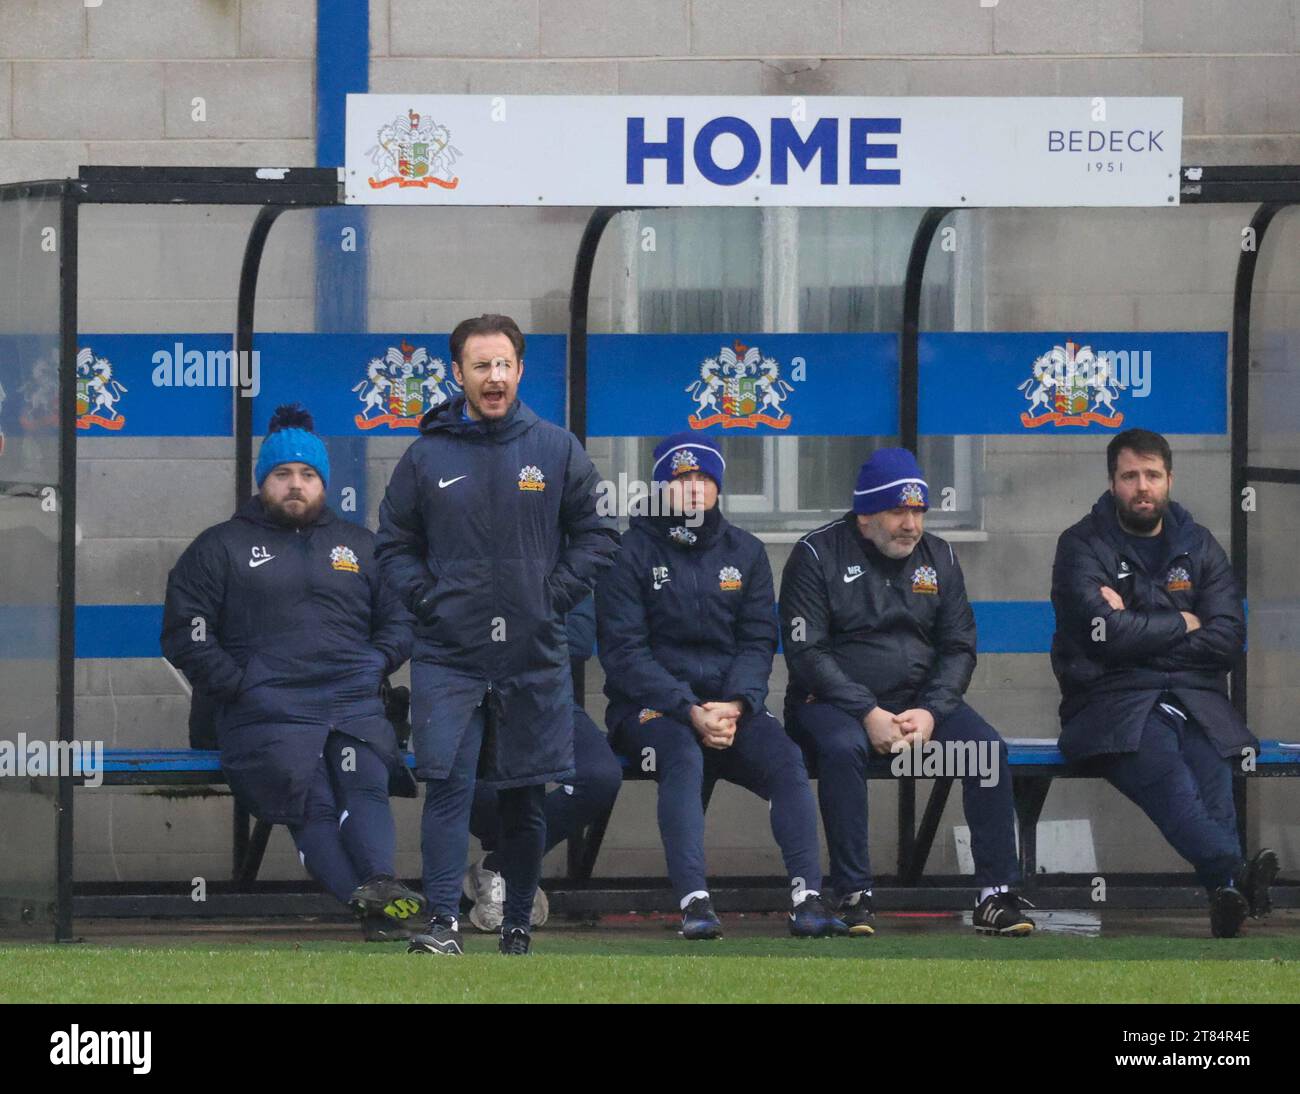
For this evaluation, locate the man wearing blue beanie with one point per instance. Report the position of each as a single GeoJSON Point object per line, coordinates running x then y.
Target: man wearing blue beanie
{"type": "Point", "coordinates": [880, 644]}
{"type": "Point", "coordinates": [278, 617]}
{"type": "Point", "coordinates": [687, 634]}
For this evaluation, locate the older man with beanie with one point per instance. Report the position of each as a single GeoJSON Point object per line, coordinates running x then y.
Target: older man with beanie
{"type": "Point", "coordinates": [489, 532]}
{"type": "Point", "coordinates": [278, 616]}
{"type": "Point", "coordinates": [687, 631]}
{"type": "Point", "coordinates": [880, 644]}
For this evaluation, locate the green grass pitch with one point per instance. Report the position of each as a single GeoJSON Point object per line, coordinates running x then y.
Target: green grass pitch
{"type": "Point", "coordinates": [596, 967]}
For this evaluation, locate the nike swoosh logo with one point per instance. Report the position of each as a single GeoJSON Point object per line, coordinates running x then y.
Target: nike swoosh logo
{"type": "Point", "coordinates": [850, 578]}
{"type": "Point", "coordinates": [442, 485]}
{"type": "Point", "coordinates": [254, 563]}
{"type": "Point", "coordinates": [659, 585]}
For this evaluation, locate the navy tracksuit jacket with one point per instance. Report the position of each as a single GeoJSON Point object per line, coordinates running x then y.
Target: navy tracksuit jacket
{"type": "Point", "coordinates": [291, 632]}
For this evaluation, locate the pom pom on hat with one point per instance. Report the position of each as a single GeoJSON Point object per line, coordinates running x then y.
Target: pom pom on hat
{"type": "Point", "coordinates": [290, 440]}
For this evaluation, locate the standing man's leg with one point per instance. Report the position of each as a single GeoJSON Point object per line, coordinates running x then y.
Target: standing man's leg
{"type": "Point", "coordinates": [444, 824]}
{"type": "Point", "coordinates": [569, 808]}
{"type": "Point", "coordinates": [523, 843]}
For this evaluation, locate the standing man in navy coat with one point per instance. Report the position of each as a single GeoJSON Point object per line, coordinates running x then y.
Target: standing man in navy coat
{"type": "Point", "coordinates": [1148, 622]}
{"type": "Point", "coordinates": [278, 616]}
{"type": "Point", "coordinates": [489, 533]}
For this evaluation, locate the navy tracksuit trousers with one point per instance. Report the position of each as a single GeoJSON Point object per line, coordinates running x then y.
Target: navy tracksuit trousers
{"type": "Point", "coordinates": [347, 834]}
{"type": "Point", "coordinates": [569, 808]}
{"type": "Point", "coordinates": [762, 759]}
{"type": "Point", "coordinates": [1178, 779]}
{"type": "Point", "coordinates": [444, 834]}
{"type": "Point", "coordinates": [839, 744]}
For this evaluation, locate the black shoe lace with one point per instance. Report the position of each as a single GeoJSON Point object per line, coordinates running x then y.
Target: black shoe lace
{"type": "Point", "coordinates": [516, 941]}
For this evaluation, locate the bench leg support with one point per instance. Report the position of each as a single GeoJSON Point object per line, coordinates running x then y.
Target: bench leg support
{"type": "Point", "coordinates": [914, 867]}
{"type": "Point", "coordinates": [1031, 795]}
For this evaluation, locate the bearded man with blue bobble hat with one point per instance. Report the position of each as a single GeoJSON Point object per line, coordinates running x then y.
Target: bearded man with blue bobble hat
{"type": "Point", "coordinates": [880, 644]}
{"type": "Point", "coordinates": [687, 631]}
{"type": "Point", "coordinates": [279, 618]}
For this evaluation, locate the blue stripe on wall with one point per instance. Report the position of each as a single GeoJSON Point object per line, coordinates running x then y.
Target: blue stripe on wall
{"type": "Point", "coordinates": [131, 630]}
{"type": "Point", "coordinates": [119, 630]}
{"type": "Point", "coordinates": [342, 66]}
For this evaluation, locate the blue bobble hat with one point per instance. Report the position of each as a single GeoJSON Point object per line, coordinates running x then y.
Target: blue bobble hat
{"type": "Point", "coordinates": [684, 452]}
{"type": "Point", "coordinates": [291, 440]}
{"type": "Point", "coordinates": [890, 479]}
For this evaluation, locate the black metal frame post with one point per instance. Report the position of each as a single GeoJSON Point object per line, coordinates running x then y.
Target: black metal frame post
{"type": "Point", "coordinates": [909, 383]}
{"type": "Point", "coordinates": [1242, 473]}
{"type": "Point", "coordinates": [576, 418]}
{"type": "Point", "coordinates": [242, 847]}
{"type": "Point", "coordinates": [67, 596]}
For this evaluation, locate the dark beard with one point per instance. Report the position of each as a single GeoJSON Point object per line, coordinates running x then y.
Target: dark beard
{"type": "Point", "coordinates": [278, 514]}
{"type": "Point", "coordinates": [1140, 525]}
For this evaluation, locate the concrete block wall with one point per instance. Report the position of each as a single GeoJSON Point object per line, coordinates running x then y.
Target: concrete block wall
{"type": "Point", "coordinates": [117, 84]}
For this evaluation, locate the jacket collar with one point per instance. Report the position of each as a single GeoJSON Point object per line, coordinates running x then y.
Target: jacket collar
{"type": "Point", "coordinates": [449, 418]}
{"type": "Point", "coordinates": [1179, 527]}
{"type": "Point", "coordinates": [676, 534]}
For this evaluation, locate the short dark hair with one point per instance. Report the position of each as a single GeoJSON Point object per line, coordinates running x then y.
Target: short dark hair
{"type": "Point", "coordinates": [1142, 442]}
{"type": "Point", "coordinates": [486, 324]}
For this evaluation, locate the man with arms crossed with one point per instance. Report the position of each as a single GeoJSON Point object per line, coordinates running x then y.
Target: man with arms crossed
{"type": "Point", "coordinates": [1148, 622]}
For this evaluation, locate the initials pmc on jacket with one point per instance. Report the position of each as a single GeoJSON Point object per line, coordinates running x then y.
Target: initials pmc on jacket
{"type": "Point", "coordinates": [489, 533]}
{"type": "Point", "coordinates": [680, 626]}
{"type": "Point", "coordinates": [861, 630]}
{"type": "Point", "coordinates": [290, 632]}
{"type": "Point", "coordinates": [1112, 665]}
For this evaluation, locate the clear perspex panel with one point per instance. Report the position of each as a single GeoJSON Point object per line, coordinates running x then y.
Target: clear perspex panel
{"type": "Point", "coordinates": [1273, 509]}
{"type": "Point", "coordinates": [29, 553]}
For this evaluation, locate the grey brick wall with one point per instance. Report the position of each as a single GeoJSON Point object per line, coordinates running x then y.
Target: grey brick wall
{"type": "Point", "coordinates": [116, 84]}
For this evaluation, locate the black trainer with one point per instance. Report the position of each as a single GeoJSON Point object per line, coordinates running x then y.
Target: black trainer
{"type": "Point", "coordinates": [1002, 914]}
{"type": "Point", "coordinates": [385, 895]}
{"type": "Point", "coordinates": [1258, 875]}
{"type": "Point", "coordinates": [858, 914]}
{"type": "Point", "coordinates": [700, 921]}
{"type": "Point", "coordinates": [515, 942]}
{"type": "Point", "coordinates": [1228, 910]}
{"type": "Point", "coordinates": [442, 936]}
{"type": "Point", "coordinates": [810, 918]}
